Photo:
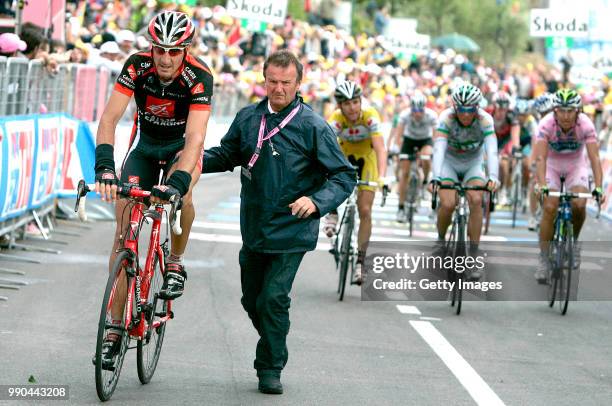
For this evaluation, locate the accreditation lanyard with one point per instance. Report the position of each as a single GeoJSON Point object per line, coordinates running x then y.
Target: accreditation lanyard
{"type": "Point", "coordinates": [261, 137]}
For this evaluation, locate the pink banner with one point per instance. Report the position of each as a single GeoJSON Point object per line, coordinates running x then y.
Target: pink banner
{"type": "Point", "coordinates": [85, 92]}
{"type": "Point", "coordinates": [47, 14]}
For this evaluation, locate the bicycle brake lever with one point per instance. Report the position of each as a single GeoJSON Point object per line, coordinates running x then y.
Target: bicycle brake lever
{"type": "Point", "coordinates": [175, 216]}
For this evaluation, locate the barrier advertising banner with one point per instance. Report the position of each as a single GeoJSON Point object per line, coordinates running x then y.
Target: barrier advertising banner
{"type": "Point", "coordinates": [47, 158]}
{"type": "Point", "coordinates": [18, 150]}
{"type": "Point", "coordinates": [42, 157]}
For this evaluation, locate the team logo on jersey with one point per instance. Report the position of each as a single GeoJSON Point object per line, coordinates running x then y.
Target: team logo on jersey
{"type": "Point", "coordinates": [160, 107]}
{"type": "Point", "coordinates": [132, 72]}
{"type": "Point", "coordinates": [134, 180]}
{"type": "Point", "coordinates": [199, 88]}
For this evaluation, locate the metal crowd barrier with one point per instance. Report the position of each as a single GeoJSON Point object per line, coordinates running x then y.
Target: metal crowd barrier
{"type": "Point", "coordinates": [27, 87]}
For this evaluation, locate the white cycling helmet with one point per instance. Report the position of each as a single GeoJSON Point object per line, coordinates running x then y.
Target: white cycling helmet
{"type": "Point", "coordinates": [544, 103]}
{"type": "Point", "coordinates": [522, 107]}
{"type": "Point", "coordinates": [418, 101]}
{"type": "Point", "coordinates": [467, 95]}
{"type": "Point", "coordinates": [347, 90]}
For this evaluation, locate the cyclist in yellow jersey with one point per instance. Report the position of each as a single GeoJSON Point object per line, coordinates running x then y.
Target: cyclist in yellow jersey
{"type": "Point", "coordinates": [359, 136]}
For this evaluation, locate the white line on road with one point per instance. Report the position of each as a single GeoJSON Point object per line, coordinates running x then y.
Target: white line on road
{"type": "Point", "coordinates": [463, 371]}
{"type": "Point", "coordinates": [218, 226]}
{"type": "Point", "coordinates": [408, 309]}
{"type": "Point", "coordinates": [430, 318]}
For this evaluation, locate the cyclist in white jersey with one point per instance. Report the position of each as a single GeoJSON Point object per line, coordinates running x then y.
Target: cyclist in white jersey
{"type": "Point", "coordinates": [465, 133]}
{"type": "Point", "coordinates": [415, 130]}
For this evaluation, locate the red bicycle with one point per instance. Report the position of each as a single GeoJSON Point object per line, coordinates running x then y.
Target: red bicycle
{"type": "Point", "coordinates": [144, 313]}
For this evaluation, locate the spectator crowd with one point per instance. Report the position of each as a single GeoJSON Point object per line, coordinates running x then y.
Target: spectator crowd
{"type": "Point", "coordinates": [105, 33]}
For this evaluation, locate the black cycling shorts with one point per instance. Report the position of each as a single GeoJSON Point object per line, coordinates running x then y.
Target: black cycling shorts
{"type": "Point", "coordinates": [409, 145]}
{"type": "Point", "coordinates": [146, 157]}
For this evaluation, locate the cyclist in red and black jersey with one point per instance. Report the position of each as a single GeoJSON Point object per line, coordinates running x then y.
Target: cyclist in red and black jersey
{"type": "Point", "coordinates": [173, 93]}
{"type": "Point", "coordinates": [507, 130]}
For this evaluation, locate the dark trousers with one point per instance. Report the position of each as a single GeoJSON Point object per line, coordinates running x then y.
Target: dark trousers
{"type": "Point", "coordinates": [266, 284]}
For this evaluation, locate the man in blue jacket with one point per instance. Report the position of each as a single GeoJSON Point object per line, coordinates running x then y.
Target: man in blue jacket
{"type": "Point", "coordinates": [293, 172]}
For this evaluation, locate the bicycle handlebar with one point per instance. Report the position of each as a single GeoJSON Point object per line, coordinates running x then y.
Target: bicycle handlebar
{"type": "Point", "coordinates": [574, 195]}
{"type": "Point", "coordinates": [570, 195]}
{"type": "Point", "coordinates": [455, 186]}
{"type": "Point", "coordinates": [129, 192]}
{"type": "Point", "coordinates": [422, 157]}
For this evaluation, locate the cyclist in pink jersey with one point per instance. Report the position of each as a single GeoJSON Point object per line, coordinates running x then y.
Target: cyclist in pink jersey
{"type": "Point", "coordinates": [563, 136]}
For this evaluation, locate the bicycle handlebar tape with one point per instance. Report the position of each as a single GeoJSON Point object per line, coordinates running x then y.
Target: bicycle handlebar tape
{"type": "Point", "coordinates": [180, 180]}
{"type": "Point", "coordinates": [105, 157]}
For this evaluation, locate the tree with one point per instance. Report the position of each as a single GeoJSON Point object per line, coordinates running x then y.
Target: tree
{"type": "Point", "coordinates": [498, 26]}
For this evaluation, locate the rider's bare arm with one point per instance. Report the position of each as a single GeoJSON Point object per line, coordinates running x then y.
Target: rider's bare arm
{"type": "Point", "coordinates": [515, 135]}
{"type": "Point", "coordinates": [593, 153]}
{"type": "Point", "coordinates": [540, 152]}
{"type": "Point", "coordinates": [117, 103]}
{"type": "Point", "coordinates": [378, 144]}
{"type": "Point", "coordinates": [197, 122]}
{"type": "Point", "coordinates": [399, 133]}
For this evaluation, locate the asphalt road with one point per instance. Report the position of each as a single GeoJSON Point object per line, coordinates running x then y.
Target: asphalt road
{"type": "Point", "coordinates": [340, 353]}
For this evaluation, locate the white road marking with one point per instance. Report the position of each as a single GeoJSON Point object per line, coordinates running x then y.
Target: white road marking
{"type": "Point", "coordinates": [404, 309]}
{"type": "Point", "coordinates": [217, 226]}
{"type": "Point", "coordinates": [430, 318]}
{"type": "Point", "coordinates": [463, 371]}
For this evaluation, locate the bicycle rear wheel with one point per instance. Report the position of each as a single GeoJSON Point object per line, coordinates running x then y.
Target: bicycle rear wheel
{"type": "Point", "coordinates": [149, 348]}
{"type": "Point", "coordinates": [345, 250]}
{"type": "Point", "coordinates": [106, 379]}
{"type": "Point", "coordinates": [565, 274]}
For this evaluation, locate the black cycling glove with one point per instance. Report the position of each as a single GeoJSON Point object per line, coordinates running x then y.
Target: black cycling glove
{"type": "Point", "coordinates": [105, 165]}
{"type": "Point", "coordinates": [176, 185]}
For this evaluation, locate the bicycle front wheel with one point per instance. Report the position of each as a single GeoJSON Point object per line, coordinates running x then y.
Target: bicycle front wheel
{"type": "Point", "coordinates": [117, 287]}
{"type": "Point", "coordinates": [460, 252]}
{"type": "Point", "coordinates": [488, 206]}
{"type": "Point", "coordinates": [345, 251]}
{"type": "Point", "coordinates": [412, 199]}
{"type": "Point", "coordinates": [565, 274]}
{"type": "Point", "coordinates": [149, 348]}
{"type": "Point", "coordinates": [515, 199]}
{"type": "Point", "coordinates": [554, 255]}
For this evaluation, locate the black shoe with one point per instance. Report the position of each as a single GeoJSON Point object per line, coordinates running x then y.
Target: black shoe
{"type": "Point", "coordinates": [110, 348]}
{"type": "Point", "coordinates": [174, 282]}
{"type": "Point", "coordinates": [270, 383]}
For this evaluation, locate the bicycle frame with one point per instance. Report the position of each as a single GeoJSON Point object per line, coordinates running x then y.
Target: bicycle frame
{"type": "Point", "coordinates": [457, 240]}
{"type": "Point", "coordinates": [141, 282]}
{"type": "Point", "coordinates": [562, 245]}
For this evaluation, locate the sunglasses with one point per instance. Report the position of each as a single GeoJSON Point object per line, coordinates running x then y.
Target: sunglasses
{"type": "Point", "coordinates": [414, 110]}
{"type": "Point", "coordinates": [159, 51]}
{"type": "Point", "coordinates": [565, 109]}
{"type": "Point", "coordinates": [466, 109]}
